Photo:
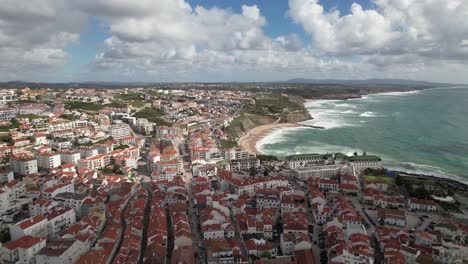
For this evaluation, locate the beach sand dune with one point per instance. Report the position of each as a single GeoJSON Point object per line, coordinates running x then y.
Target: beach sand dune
{"type": "Point", "coordinates": [249, 141]}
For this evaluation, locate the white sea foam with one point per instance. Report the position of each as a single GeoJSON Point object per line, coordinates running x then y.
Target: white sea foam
{"type": "Point", "coordinates": [277, 136]}
{"type": "Point", "coordinates": [321, 103]}
{"type": "Point", "coordinates": [345, 105]}
{"type": "Point", "coordinates": [329, 113]}
{"type": "Point", "coordinates": [399, 93]}
{"type": "Point", "coordinates": [348, 112]}
{"type": "Point", "coordinates": [368, 114]}
{"type": "Point", "coordinates": [424, 169]}
{"type": "Point", "coordinates": [319, 147]}
{"type": "Point", "coordinates": [309, 147]}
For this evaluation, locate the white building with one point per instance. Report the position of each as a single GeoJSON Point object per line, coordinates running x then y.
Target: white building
{"type": "Point", "coordinates": [6, 176]}
{"type": "Point", "coordinates": [58, 219]}
{"type": "Point", "coordinates": [7, 96]}
{"type": "Point", "coordinates": [22, 250]}
{"type": "Point", "coordinates": [34, 226]}
{"type": "Point", "coordinates": [40, 139]}
{"type": "Point", "coordinates": [60, 251]}
{"type": "Point", "coordinates": [70, 156]}
{"type": "Point", "coordinates": [71, 200]}
{"type": "Point", "coordinates": [296, 161]}
{"type": "Point", "coordinates": [51, 192]}
{"type": "Point", "coordinates": [24, 165]}
{"type": "Point", "coordinates": [318, 171]}
{"type": "Point", "coordinates": [120, 130]}
{"type": "Point", "coordinates": [48, 160]}
{"type": "Point", "coordinates": [94, 163]}
{"type": "Point", "coordinates": [416, 204]}
{"type": "Point", "coordinates": [88, 152]}
{"type": "Point", "coordinates": [292, 242]}
{"type": "Point", "coordinates": [392, 217]}
{"type": "Point", "coordinates": [360, 163]}
{"type": "Point", "coordinates": [4, 201]}
{"type": "Point", "coordinates": [40, 207]}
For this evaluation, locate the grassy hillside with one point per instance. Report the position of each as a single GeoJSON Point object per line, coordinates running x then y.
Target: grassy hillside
{"type": "Point", "coordinates": [265, 109]}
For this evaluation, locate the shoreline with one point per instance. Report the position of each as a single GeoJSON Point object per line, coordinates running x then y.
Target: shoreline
{"type": "Point", "coordinates": [248, 142]}
{"type": "Point", "coordinates": [431, 177]}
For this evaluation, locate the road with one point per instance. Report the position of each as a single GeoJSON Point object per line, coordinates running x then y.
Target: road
{"type": "Point", "coordinates": [194, 225]}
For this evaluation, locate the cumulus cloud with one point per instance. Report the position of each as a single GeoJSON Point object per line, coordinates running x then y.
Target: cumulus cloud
{"type": "Point", "coordinates": [172, 38]}
{"type": "Point", "coordinates": [33, 37]}
{"type": "Point", "coordinates": [435, 28]}
{"type": "Point", "coordinates": [178, 37]}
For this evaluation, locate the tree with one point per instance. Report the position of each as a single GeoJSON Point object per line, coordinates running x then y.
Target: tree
{"type": "Point", "coordinates": [266, 172]}
{"type": "Point", "coordinates": [253, 171]}
{"type": "Point", "coordinates": [9, 140]}
{"type": "Point", "coordinates": [398, 180]}
{"type": "Point", "coordinates": [123, 146]}
{"type": "Point", "coordinates": [266, 254]}
{"type": "Point", "coordinates": [117, 169]}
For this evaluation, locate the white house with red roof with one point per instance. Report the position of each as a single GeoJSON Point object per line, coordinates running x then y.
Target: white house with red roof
{"type": "Point", "coordinates": [24, 164]}
{"type": "Point", "coordinates": [70, 156]}
{"type": "Point", "coordinates": [328, 184]}
{"type": "Point", "coordinates": [293, 201]}
{"type": "Point", "coordinates": [88, 151]}
{"type": "Point", "coordinates": [51, 192]}
{"type": "Point", "coordinates": [34, 226]}
{"type": "Point", "coordinates": [349, 189]}
{"type": "Point", "coordinates": [392, 217]}
{"type": "Point", "coordinates": [60, 251]}
{"type": "Point", "coordinates": [321, 213]}
{"type": "Point", "coordinates": [40, 139]}
{"type": "Point", "coordinates": [258, 247]}
{"type": "Point", "coordinates": [349, 179]}
{"type": "Point", "coordinates": [268, 198]}
{"type": "Point", "coordinates": [48, 160]}
{"type": "Point", "coordinates": [292, 242]}
{"type": "Point", "coordinates": [416, 204]}
{"type": "Point", "coordinates": [377, 185]}
{"type": "Point", "coordinates": [58, 219]}
{"type": "Point", "coordinates": [94, 163]}
{"type": "Point", "coordinates": [295, 223]}
{"type": "Point", "coordinates": [40, 206]}
{"type": "Point", "coordinates": [22, 250]}
{"type": "Point", "coordinates": [6, 175]}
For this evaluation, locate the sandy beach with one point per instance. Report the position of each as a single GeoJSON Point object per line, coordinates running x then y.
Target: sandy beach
{"type": "Point", "coordinates": [249, 141]}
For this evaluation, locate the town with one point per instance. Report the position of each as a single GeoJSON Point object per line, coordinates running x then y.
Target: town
{"type": "Point", "coordinates": [155, 175]}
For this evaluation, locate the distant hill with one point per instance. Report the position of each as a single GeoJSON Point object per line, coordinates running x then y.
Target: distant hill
{"type": "Point", "coordinates": [299, 81]}
{"type": "Point", "coordinates": [367, 82]}
{"type": "Point", "coordinates": [21, 84]}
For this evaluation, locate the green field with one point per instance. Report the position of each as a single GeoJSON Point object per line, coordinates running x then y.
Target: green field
{"type": "Point", "coordinates": [380, 178]}
{"type": "Point", "coordinates": [153, 115]}
{"type": "Point", "coordinates": [83, 106]}
{"type": "Point", "coordinates": [228, 144]}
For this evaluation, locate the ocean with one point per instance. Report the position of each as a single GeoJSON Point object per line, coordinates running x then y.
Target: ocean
{"type": "Point", "coordinates": [423, 132]}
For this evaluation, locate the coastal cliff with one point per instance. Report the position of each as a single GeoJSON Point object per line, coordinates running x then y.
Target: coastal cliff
{"type": "Point", "coordinates": [266, 109]}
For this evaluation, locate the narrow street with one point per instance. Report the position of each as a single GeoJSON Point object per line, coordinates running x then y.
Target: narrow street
{"type": "Point", "coordinates": [122, 230]}
{"type": "Point", "coordinates": [315, 228]}
{"type": "Point", "coordinates": [170, 235]}
{"type": "Point", "coordinates": [194, 224]}
{"type": "Point", "coordinates": [146, 219]}
{"type": "Point", "coordinates": [237, 232]}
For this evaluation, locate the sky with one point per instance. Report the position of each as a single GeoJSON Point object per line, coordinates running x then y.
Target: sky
{"type": "Point", "coordinates": [233, 40]}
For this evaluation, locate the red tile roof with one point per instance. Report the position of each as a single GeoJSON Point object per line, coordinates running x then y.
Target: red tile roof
{"type": "Point", "coordinates": [25, 224]}
{"type": "Point", "coordinates": [23, 242]}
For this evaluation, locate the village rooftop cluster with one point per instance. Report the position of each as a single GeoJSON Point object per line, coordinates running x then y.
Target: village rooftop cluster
{"type": "Point", "coordinates": [150, 175]}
